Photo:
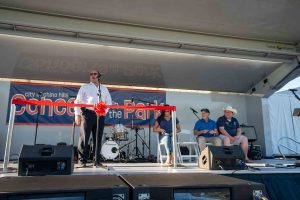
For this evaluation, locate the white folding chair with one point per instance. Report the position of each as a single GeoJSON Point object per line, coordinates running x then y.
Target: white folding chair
{"type": "Point", "coordinates": [160, 156]}
{"type": "Point", "coordinates": [187, 139]}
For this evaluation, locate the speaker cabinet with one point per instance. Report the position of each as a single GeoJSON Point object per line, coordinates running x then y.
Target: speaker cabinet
{"type": "Point", "coordinates": [255, 152]}
{"type": "Point", "coordinates": [221, 157]}
{"type": "Point", "coordinates": [179, 186]}
{"type": "Point", "coordinates": [38, 160]}
{"type": "Point", "coordinates": [64, 187]}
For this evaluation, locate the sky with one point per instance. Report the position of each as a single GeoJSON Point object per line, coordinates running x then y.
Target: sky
{"type": "Point", "coordinates": [290, 85]}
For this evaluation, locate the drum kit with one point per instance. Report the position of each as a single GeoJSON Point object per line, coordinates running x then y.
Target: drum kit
{"type": "Point", "coordinates": [110, 149]}
{"type": "Point", "coordinates": [113, 150]}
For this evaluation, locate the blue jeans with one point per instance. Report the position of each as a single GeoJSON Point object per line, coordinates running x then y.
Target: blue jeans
{"type": "Point", "coordinates": [166, 139]}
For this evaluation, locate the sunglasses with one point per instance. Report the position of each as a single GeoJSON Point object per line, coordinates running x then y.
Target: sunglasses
{"type": "Point", "coordinates": [91, 74]}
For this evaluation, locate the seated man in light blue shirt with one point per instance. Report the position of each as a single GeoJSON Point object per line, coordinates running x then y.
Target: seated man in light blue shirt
{"type": "Point", "coordinates": [206, 130]}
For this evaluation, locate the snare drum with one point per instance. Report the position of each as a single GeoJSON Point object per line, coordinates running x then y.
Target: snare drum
{"type": "Point", "coordinates": [119, 132]}
{"type": "Point", "coordinates": [110, 150]}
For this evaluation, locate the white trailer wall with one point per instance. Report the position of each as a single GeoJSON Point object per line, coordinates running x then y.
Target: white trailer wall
{"type": "Point", "coordinates": [249, 112]}
{"type": "Point", "coordinates": [278, 110]}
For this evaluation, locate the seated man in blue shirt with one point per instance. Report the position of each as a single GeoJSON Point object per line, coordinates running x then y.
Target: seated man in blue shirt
{"type": "Point", "coordinates": [231, 132]}
{"type": "Point", "coordinates": [206, 130]}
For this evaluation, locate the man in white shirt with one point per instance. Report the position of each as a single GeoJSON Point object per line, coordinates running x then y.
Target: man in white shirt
{"type": "Point", "coordinates": [86, 118]}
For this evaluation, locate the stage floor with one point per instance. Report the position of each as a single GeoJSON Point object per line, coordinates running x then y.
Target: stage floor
{"type": "Point", "coordinates": [264, 166]}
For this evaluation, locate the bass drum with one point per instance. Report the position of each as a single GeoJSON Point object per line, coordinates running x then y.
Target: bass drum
{"type": "Point", "coordinates": [110, 150]}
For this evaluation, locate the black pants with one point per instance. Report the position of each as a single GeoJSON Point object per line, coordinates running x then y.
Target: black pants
{"type": "Point", "coordinates": [88, 125]}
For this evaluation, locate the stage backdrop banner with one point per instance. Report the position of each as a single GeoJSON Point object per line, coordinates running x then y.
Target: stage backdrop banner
{"type": "Point", "coordinates": [57, 115]}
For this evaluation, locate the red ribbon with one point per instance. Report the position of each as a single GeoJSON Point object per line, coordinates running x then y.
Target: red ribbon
{"type": "Point", "coordinates": [99, 108]}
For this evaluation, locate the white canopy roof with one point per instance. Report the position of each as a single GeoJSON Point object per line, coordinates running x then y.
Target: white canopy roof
{"type": "Point", "coordinates": [231, 46]}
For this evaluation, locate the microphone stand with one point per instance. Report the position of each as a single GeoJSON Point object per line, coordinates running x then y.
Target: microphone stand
{"type": "Point", "coordinates": [37, 118]}
{"type": "Point", "coordinates": [149, 125]}
{"type": "Point", "coordinates": [73, 127]}
{"type": "Point", "coordinates": [294, 93]}
{"type": "Point", "coordinates": [73, 133]}
{"type": "Point", "coordinates": [97, 125]}
{"type": "Point", "coordinates": [196, 114]}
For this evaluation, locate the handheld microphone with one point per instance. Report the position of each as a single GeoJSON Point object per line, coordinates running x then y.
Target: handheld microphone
{"type": "Point", "coordinates": [132, 99]}
{"type": "Point", "coordinates": [98, 76]}
{"type": "Point", "coordinates": [194, 111]}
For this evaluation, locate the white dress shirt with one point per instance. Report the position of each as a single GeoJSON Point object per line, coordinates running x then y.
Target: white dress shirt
{"type": "Point", "coordinates": [88, 94]}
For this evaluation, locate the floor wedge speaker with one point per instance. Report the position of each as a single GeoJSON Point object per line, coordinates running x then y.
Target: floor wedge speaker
{"type": "Point", "coordinates": [222, 157]}
{"type": "Point", "coordinates": [38, 160]}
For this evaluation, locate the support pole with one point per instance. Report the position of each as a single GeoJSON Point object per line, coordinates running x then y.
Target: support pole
{"type": "Point", "coordinates": [174, 138]}
{"type": "Point", "coordinates": [9, 136]}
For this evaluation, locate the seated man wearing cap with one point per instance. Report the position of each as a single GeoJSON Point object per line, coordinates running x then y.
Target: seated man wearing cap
{"type": "Point", "coordinates": [206, 130]}
{"type": "Point", "coordinates": [231, 132]}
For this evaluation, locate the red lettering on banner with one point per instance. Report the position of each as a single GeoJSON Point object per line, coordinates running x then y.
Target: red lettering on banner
{"type": "Point", "coordinates": [157, 112]}
{"type": "Point", "coordinates": [29, 110]}
{"type": "Point", "coordinates": [139, 110]}
{"type": "Point", "coordinates": [69, 109]}
{"type": "Point", "coordinates": [149, 111]}
{"type": "Point", "coordinates": [140, 113]}
{"type": "Point", "coordinates": [43, 108]}
{"type": "Point", "coordinates": [33, 109]}
{"type": "Point", "coordinates": [127, 111]}
{"type": "Point", "coordinates": [63, 110]}
{"type": "Point", "coordinates": [19, 97]}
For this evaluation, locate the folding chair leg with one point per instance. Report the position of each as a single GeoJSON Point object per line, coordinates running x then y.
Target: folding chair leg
{"type": "Point", "coordinates": [179, 154]}
{"type": "Point", "coordinates": [161, 159]}
{"type": "Point", "coordinates": [159, 156]}
{"type": "Point", "coordinates": [190, 153]}
{"type": "Point", "coordinates": [197, 152]}
{"type": "Point", "coordinates": [180, 158]}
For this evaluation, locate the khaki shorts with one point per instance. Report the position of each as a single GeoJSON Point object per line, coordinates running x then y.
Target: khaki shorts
{"type": "Point", "coordinates": [238, 142]}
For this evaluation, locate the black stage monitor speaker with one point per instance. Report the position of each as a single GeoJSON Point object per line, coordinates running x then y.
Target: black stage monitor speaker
{"type": "Point", "coordinates": [65, 187]}
{"type": "Point", "coordinates": [221, 157]}
{"type": "Point", "coordinates": [38, 160]}
{"type": "Point", "coordinates": [181, 186]}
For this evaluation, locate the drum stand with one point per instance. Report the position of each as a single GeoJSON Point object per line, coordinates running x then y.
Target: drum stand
{"type": "Point", "coordinates": [150, 156]}
{"type": "Point", "coordinates": [129, 152]}
{"type": "Point", "coordinates": [138, 153]}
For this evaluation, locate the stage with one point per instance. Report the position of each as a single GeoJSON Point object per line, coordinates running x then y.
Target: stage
{"type": "Point", "coordinates": [156, 168]}
{"type": "Point", "coordinates": [264, 166]}
{"type": "Point", "coordinates": [281, 180]}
